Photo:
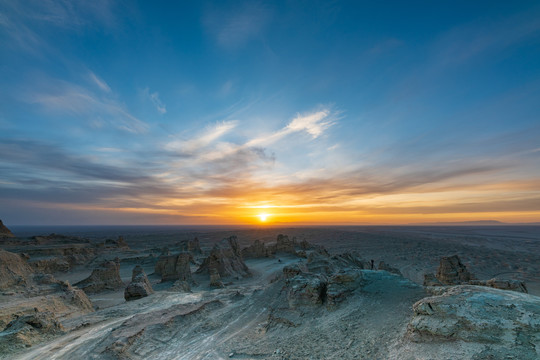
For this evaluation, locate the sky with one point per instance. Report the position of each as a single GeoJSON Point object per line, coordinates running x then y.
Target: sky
{"type": "Point", "coordinates": [280, 112]}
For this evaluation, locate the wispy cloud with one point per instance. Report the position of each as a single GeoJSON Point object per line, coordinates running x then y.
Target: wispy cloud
{"type": "Point", "coordinates": [314, 123]}
{"type": "Point", "coordinates": [99, 82]}
{"type": "Point", "coordinates": [68, 98]}
{"type": "Point", "coordinates": [156, 101]}
{"type": "Point", "coordinates": [209, 135]}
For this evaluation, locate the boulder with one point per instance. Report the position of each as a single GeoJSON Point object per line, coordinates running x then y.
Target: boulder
{"type": "Point", "coordinates": [306, 289]}
{"type": "Point", "coordinates": [174, 267]}
{"type": "Point", "coordinates": [227, 259]}
{"type": "Point", "coordinates": [106, 277]}
{"type": "Point", "coordinates": [507, 320]}
{"type": "Point", "coordinates": [14, 270]}
{"type": "Point", "coordinates": [451, 271]}
{"type": "Point", "coordinates": [139, 286]}
{"type": "Point", "coordinates": [5, 232]}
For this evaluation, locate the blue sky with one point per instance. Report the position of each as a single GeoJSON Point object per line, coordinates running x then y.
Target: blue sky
{"type": "Point", "coordinates": [313, 112]}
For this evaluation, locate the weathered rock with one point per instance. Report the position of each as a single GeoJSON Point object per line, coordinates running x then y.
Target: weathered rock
{"type": "Point", "coordinates": [505, 319]}
{"type": "Point", "coordinates": [341, 285]}
{"type": "Point", "coordinates": [283, 245]}
{"type": "Point", "coordinates": [349, 260]}
{"type": "Point", "coordinates": [193, 246]}
{"type": "Point", "coordinates": [51, 265]}
{"type": "Point", "coordinates": [14, 270]}
{"type": "Point", "coordinates": [174, 267]}
{"type": "Point", "coordinates": [321, 263]}
{"type": "Point", "coordinates": [77, 297]}
{"type": "Point", "coordinates": [227, 259]}
{"type": "Point", "coordinates": [215, 279]}
{"type": "Point", "coordinates": [256, 250]}
{"type": "Point", "coordinates": [120, 243]}
{"type": "Point", "coordinates": [452, 272]}
{"type": "Point", "coordinates": [28, 330]}
{"type": "Point", "coordinates": [106, 277]}
{"type": "Point", "coordinates": [181, 286]}
{"type": "Point", "coordinates": [306, 289]}
{"type": "Point", "coordinates": [139, 286]}
{"type": "Point", "coordinates": [305, 245]}
{"type": "Point", "coordinates": [5, 232]}
{"type": "Point", "coordinates": [384, 266]}
{"type": "Point", "coordinates": [431, 280]}
{"type": "Point", "coordinates": [514, 285]}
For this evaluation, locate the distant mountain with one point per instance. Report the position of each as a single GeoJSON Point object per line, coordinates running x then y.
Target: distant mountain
{"type": "Point", "coordinates": [464, 223]}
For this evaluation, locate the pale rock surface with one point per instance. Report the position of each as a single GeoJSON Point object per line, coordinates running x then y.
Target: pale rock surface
{"type": "Point", "coordinates": [505, 323]}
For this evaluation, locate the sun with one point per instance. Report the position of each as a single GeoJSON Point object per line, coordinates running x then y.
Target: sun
{"type": "Point", "coordinates": [263, 217]}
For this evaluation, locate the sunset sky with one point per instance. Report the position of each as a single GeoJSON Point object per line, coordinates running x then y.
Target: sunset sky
{"type": "Point", "coordinates": [293, 112]}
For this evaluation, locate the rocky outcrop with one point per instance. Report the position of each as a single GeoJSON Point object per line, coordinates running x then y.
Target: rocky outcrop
{"type": "Point", "coordinates": [283, 245]}
{"type": "Point", "coordinates": [174, 267]}
{"type": "Point", "coordinates": [514, 285]}
{"type": "Point", "coordinates": [226, 259]}
{"type": "Point", "coordinates": [120, 243]}
{"type": "Point", "coordinates": [106, 277]}
{"type": "Point", "coordinates": [181, 286]}
{"type": "Point", "coordinates": [51, 265]}
{"type": "Point", "coordinates": [506, 320]}
{"type": "Point", "coordinates": [76, 297]}
{"type": "Point", "coordinates": [306, 289]}
{"type": "Point", "coordinates": [192, 246]}
{"type": "Point", "coordinates": [215, 279]}
{"type": "Point", "coordinates": [256, 250]}
{"type": "Point", "coordinates": [451, 271]}
{"type": "Point", "coordinates": [139, 286]}
{"type": "Point", "coordinates": [14, 270]}
{"type": "Point", "coordinates": [5, 232]}
{"type": "Point", "coordinates": [28, 330]}
{"type": "Point", "coordinates": [342, 285]}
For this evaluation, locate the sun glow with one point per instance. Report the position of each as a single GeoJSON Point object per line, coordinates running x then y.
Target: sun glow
{"type": "Point", "coordinates": [263, 217]}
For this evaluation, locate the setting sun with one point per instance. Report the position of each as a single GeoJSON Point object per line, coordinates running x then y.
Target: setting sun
{"type": "Point", "coordinates": [263, 217]}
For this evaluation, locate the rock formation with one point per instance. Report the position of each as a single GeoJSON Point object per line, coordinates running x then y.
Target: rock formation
{"type": "Point", "coordinates": [452, 272]}
{"type": "Point", "coordinates": [215, 279]}
{"type": "Point", "coordinates": [504, 319]}
{"type": "Point", "coordinates": [256, 250]}
{"type": "Point", "coordinates": [306, 289]}
{"type": "Point", "coordinates": [174, 267]}
{"type": "Point", "coordinates": [5, 232]}
{"type": "Point", "coordinates": [14, 270]}
{"type": "Point", "coordinates": [226, 258]}
{"type": "Point", "coordinates": [181, 286]}
{"type": "Point", "coordinates": [514, 285]}
{"type": "Point", "coordinates": [283, 245]}
{"type": "Point", "coordinates": [103, 278]}
{"type": "Point", "coordinates": [139, 286]}
{"type": "Point", "coordinates": [77, 297]}
{"type": "Point", "coordinates": [191, 246]}
{"type": "Point", "coordinates": [120, 243]}
{"type": "Point", "coordinates": [28, 330]}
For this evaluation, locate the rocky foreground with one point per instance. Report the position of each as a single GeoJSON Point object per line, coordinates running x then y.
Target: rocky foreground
{"type": "Point", "coordinates": [279, 300]}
